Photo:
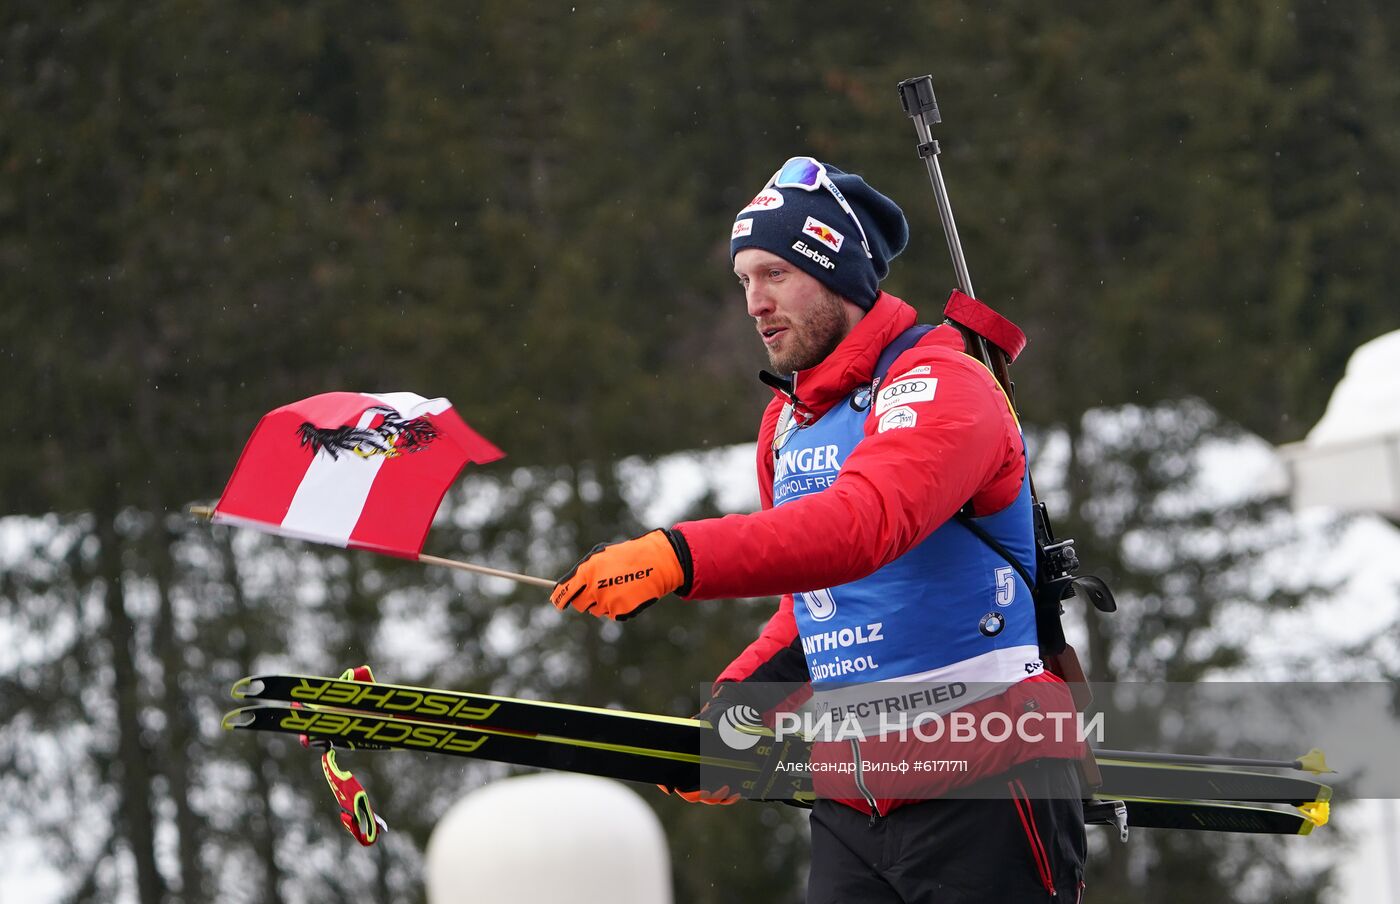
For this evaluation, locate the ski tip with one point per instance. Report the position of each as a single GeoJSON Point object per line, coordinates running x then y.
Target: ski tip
{"type": "Point", "coordinates": [1317, 812]}
{"type": "Point", "coordinates": [246, 687]}
{"type": "Point", "coordinates": [239, 718]}
{"type": "Point", "coordinates": [1315, 761]}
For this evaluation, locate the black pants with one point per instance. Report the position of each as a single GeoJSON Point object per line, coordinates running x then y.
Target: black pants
{"type": "Point", "coordinates": [1026, 845]}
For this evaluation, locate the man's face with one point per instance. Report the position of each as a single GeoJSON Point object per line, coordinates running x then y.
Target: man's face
{"type": "Point", "coordinates": [799, 320]}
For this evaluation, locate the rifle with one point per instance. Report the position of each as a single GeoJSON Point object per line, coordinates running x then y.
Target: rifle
{"type": "Point", "coordinates": [996, 342]}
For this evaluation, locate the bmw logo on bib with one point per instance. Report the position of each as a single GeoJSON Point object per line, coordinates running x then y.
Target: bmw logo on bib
{"type": "Point", "coordinates": [992, 623]}
{"type": "Point", "coordinates": [860, 399]}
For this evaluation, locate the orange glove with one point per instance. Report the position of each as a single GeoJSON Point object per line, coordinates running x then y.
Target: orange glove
{"type": "Point", "coordinates": [618, 580]}
{"type": "Point", "coordinates": [721, 798]}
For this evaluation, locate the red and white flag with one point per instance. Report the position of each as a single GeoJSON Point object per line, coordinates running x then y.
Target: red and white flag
{"type": "Point", "coordinates": [354, 469]}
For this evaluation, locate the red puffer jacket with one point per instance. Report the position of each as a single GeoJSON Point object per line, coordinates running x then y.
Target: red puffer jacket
{"type": "Point", "coordinates": [893, 490]}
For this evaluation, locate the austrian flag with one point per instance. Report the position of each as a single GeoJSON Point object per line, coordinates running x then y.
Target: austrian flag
{"type": "Point", "coordinates": [359, 470]}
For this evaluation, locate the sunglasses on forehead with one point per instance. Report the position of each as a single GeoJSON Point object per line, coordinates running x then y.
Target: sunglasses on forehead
{"type": "Point", "coordinates": [809, 174]}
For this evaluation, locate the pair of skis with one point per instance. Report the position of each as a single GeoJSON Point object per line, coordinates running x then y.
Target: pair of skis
{"type": "Point", "coordinates": [675, 752]}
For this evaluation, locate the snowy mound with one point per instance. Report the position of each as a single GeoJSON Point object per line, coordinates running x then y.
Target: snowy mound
{"type": "Point", "coordinates": [1351, 459]}
{"type": "Point", "coordinates": [1366, 403]}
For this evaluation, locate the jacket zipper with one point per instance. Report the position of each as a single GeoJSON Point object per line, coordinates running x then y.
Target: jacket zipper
{"type": "Point", "coordinates": [794, 415]}
{"type": "Point", "coordinates": [860, 782]}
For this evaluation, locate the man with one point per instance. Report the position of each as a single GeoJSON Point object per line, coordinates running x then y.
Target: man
{"type": "Point", "coordinates": [863, 477]}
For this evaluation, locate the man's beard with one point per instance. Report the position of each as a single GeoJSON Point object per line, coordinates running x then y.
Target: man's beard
{"type": "Point", "coordinates": [807, 344]}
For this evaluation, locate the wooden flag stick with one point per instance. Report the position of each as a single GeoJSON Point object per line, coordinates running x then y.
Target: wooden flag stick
{"type": "Point", "coordinates": [207, 513]}
{"type": "Point", "coordinates": [482, 569]}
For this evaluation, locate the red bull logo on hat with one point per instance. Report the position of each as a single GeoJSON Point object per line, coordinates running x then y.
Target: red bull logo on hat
{"type": "Point", "coordinates": [823, 233]}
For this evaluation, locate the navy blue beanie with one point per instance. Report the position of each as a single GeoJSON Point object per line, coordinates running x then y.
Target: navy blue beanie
{"type": "Point", "coordinates": [810, 230]}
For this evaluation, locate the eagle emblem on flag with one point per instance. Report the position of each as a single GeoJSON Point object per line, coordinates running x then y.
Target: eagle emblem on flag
{"type": "Point", "coordinates": [353, 469]}
{"type": "Point", "coordinates": [392, 436]}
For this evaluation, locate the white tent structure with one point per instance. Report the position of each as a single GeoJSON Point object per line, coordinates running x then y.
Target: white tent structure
{"type": "Point", "coordinates": [1351, 459]}
{"type": "Point", "coordinates": [549, 838]}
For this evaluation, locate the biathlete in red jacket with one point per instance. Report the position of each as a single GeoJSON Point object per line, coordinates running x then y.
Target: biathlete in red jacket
{"type": "Point", "coordinates": [892, 609]}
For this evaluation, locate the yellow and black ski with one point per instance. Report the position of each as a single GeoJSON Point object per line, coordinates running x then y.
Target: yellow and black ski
{"type": "Point", "coordinates": [703, 762]}
{"type": "Point", "coordinates": [1203, 816]}
{"type": "Point", "coordinates": [674, 751]}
